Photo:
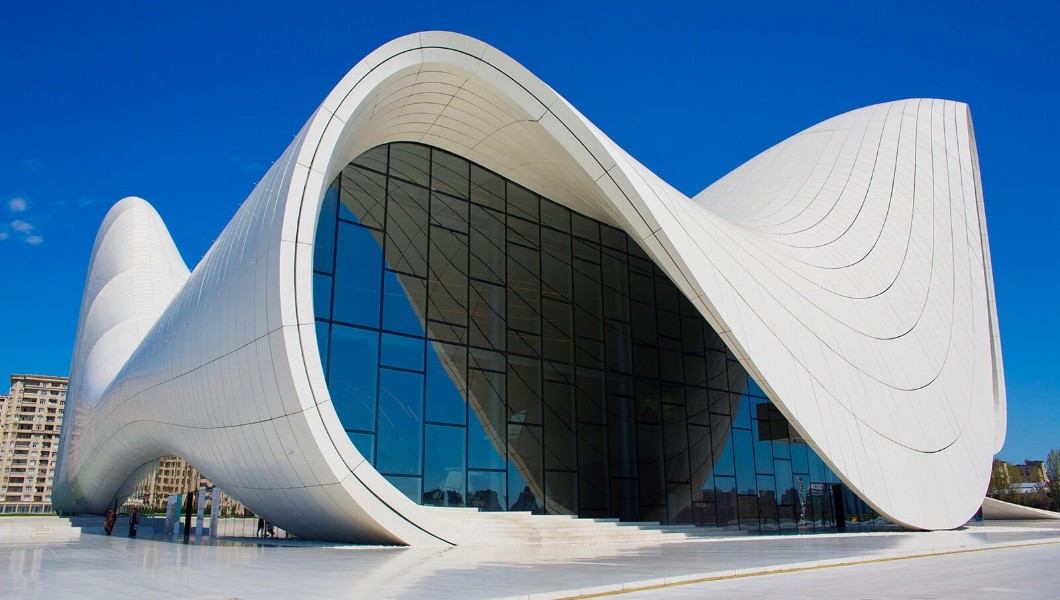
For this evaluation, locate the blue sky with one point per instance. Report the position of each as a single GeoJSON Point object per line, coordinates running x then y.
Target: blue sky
{"type": "Point", "coordinates": [187, 104]}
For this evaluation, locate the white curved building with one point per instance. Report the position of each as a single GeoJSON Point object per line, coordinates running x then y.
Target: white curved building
{"type": "Point", "coordinates": [453, 290]}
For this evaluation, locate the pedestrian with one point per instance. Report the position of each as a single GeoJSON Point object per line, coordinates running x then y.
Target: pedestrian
{"type": "Point", "coordinates": [108, 521]}
{"type": "Point", "coordinates": [261, 527]}
{"type": "Point", "coordinates": [134, 522]}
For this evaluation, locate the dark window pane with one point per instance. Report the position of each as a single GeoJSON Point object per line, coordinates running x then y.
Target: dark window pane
{"type": "Point", "coordinates": [527, 344]}
{"type": "Point", "coordinates": [646, 361]}
{"type": "Point", "coordinates": [401, 352]}
{"type": "Point", "coordinates": [625, 504]}
{"type": "Point", "coordinates": [488, 361]}
{"type": "Point", "coordinates": [487, 490]}
{"type": "Point", "coordinates": [555, 265]}
{"type": "Point", "coordinates": [487, 422]}
{"type": "Point", "coordinates": [524, 232]}
{"type": "Point", "coordinates": [642, 289]}
{"type": "Point", "coordinates": [446, 383]}
{"type": "Point", "coordinates": [671, 361]}
{"type": "Point", "coordinates": [588, 301]}
{"type": "Point", "coordinates": [589, 353]}
{"type": "Point", "coordinates": [559, 372]}
{"type": "Point", "coordinates": [584, 227]}
{"type": "Point", "coordinates": [447, 286]}
{"type": "Point", "coordinates": [400, 431]}
{"type": "Point", "coordinates": [522, 202]}
{"type": "Point", "coordinates": [524, 290]}
{"type": "Point", "coordinates": [669, 323]}
{"type": "Point", "coordinates": [374, 159]}
{"type": "Point", "coordinates": [321, 296]}
{"type": "Point", "coordinates": [352, 376]}
{"type": "Point", "coordinates": [622, 437]}
{"type": "Point", "coordinates": [362, 197]}
{"type": "Point", "coordinates": [449, 212]}
{"type": "Point", "coordinates": [406, 232]}
{"type": "Point", "coordinates": [487, 315]}
{"type": "Point", "coordinates": [358, 276]}
{"type": "Point", "coordinates": [590, 395]}
{"type": "Point", "coordinates": [593, 492]}
{"type": "Point", "coordinates": [676, 448]}
{"type": "Point", "coordinates": [487, 188]}
{"type": "Point", "coordinates": [524, 390]}
{"type": "Point", "coordinates": [525, 473]}
{"type": "Point", "coordinates": [557, 325]}
{"type": "Point", "coordinates": [616, 286]}
{"type": "Point", "coordinates": [555, 216]}
{"type": "Point", "coordinates": [619, 347]}
{"type": "Point", "coordinates": [560, 441]}
{"type": "Point", "coordinates": [650, 465]}
{"type": "Point", "coordinates": [404, 303]}
{"type": "Point", "coordinates": [447, 332]}
{"type": "Point", "coordinates": [411, 162]}
{"type": "Point", "coordinates": [692, 335]}
{"type": "Point", "coordinates": [613, 238]}
{"type": "Point", "coordinates": [560, 494]}
{"type": "Point", "coordinates": [487, 245]}
{"type": "Point", "coordinates": [449, 174]}
{"type": "Point", "coordinates": [585, 251]}
{"type": "Point", "coordinates": [324, 242]}
{"type": "Point", "coordinates": [444, 472]}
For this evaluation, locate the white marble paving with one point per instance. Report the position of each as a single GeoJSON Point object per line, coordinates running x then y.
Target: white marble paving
{"type": "Point", "coordinates": [94, 566]}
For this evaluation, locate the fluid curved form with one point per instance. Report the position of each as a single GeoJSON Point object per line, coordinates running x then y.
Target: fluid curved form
{"type": "Point", "coordinates": [847, 270]}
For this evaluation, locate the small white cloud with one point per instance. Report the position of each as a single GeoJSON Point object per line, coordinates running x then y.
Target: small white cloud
{"type": "Point", "coordinates": [34, 240]}
{"type": "Point", "coordinates": [16, 205]}
{"type": "Point", "coordinates": [21, 226]}
{"type": "Point", "coordinates": [3, 235]}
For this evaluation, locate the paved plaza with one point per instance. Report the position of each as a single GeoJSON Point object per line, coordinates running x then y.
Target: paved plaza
{"type": "Point", "coordinates": [995, 560]}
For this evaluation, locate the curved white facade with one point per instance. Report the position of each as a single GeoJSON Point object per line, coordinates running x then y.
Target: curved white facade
{"type": "Point", "coordinates": [847, 268]}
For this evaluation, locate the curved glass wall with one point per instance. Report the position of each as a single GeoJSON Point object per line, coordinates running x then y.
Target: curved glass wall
{"type": "Point", "coordinates": [488, 347]}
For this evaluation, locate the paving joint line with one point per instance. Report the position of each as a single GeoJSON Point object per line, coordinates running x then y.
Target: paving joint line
{"type": "Point", "coordinates": [843, 562]}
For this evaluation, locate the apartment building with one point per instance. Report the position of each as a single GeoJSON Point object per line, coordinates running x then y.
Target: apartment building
{"type": "Point", "coordinates": [31, 418]}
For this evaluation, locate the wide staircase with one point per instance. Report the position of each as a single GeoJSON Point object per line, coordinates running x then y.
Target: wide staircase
{"type": "Point", "coordinates": [45, 528]}
{"type": "Point", "coordinates": [513, 528]}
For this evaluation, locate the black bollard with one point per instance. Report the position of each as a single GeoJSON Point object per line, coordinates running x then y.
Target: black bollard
{"type": "Point", "coordinates": [187, 516]}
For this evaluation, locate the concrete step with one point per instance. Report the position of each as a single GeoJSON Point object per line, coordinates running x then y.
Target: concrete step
{"type": "Point", "coordinates": [43, 528]}
{"type": "Point", "coordinates": [507, 528]}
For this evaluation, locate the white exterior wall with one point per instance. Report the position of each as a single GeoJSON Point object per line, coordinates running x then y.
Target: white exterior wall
{"type": "Point", "coordinates": [847, 268]}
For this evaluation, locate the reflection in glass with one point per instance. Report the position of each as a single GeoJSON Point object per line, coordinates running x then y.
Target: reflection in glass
{"type": "Point", "coordinates": [489, 348]}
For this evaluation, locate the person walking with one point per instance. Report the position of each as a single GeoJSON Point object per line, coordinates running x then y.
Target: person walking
{"type": "Point", "coordinates": [134, 522]}
{"type": "Point", "coordinates": [108, 521]}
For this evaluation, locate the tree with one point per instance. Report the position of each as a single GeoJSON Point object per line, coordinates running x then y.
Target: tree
{"type": "Point", "coordinates": [1052, 469]}
{"type": "Point", "coordinates": [1001, 480]}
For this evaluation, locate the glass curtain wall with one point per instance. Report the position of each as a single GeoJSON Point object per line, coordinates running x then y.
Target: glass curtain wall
{"type": "Point", "coordinates": [487, 347]}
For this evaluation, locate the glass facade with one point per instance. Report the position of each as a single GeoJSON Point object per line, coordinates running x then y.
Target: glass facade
{"type": "Point", "coordinates": [487, 347]}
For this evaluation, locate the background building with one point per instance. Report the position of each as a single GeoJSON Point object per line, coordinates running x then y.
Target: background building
{"type": "Point", "coordinates": [1033, 471]}
{"type": "Point", "coordinates": [31, 419]}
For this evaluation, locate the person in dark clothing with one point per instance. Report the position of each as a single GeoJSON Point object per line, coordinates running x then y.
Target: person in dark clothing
{"type": "Point", "coordinates": [108, 521]}
{"type": "Point", "coordinates": [134, 523]}
{"type": "Point", "coordinates": [261, 527]}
